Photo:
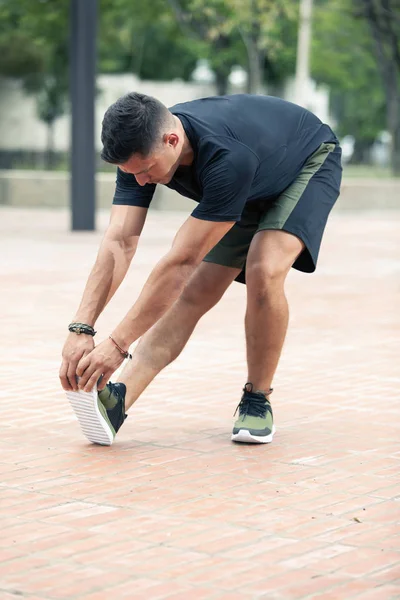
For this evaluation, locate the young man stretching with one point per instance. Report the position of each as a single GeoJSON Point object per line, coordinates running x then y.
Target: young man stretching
{"type": "Point", "coordinates": [266, 174]}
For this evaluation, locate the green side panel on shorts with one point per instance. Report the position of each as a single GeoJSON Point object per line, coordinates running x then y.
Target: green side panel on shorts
{"type": "Point", "coordinates": [232, 250]}
{"type": "Point", "coordinates": [277, 215]}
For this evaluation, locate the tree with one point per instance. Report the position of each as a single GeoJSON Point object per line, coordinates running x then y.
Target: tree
{"type": "Point", "coordinates": [342, 57]}
{"type": "Point", "coordinates": [260, 24]}
{"type": "Point", "coordinates": [202, 24]}
{"type": "Point", "coordinates": [34, 48]}
{"type": "Point", "coordinates": [134, 35]}
{"type": "Point", "coordinates": [223, 23]}
{"type": "Point", "coordinates": [383, 18]}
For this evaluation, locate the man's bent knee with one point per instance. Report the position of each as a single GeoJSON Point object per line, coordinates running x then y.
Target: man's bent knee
{"type": "Point", "coordinates": [260, 273]}
{"type": "Point", "coordinates": [271, 255]}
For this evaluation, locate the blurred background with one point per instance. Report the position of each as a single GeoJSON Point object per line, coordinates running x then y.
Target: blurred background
{"type": "Point", "coordinates": [339, 58]}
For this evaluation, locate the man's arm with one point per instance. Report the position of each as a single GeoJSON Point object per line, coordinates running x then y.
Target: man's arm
{"type": "Point", "coordinates": [191, 244]}
{"type": "Point", "coordinates": [114, 257]}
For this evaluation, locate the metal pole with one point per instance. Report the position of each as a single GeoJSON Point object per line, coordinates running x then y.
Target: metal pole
{"type": "Point", "coordinates": [303, 52]}
{"type": "Point", "coordinates": [83, 72]}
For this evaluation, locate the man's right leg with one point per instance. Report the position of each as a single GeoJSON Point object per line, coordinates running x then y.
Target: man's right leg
{"type": "Point", "coordinates": [166, 339]}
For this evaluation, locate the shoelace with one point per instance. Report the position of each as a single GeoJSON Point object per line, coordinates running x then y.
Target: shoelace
{"type": "Point", "coordinates": [253, 404]}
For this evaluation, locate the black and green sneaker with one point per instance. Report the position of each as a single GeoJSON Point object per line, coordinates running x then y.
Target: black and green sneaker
{"type": "Point", "coordinates": [255, 424]}
{"type": "Point", "coordinates": [100, 414]}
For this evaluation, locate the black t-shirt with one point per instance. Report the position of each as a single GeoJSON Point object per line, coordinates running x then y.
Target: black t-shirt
{"type": "Point", "coordinates": [246, 149]}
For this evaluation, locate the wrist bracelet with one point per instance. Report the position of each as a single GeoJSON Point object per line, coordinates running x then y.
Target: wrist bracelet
{"type": "Point", "coordinates": [81, 328]}
{"type": "Point", "coordinates": [123, 352]}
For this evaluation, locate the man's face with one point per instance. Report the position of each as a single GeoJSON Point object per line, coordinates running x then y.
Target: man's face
{"type": "Point", "coordinates": [159, 166]}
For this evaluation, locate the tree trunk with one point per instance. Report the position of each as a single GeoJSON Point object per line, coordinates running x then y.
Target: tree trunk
{"type": "Point", "coordinates": [220, 67]}
{"type": "Point", "coordinates": [254, 80]}
{"type": "Point", "coordinates": [362, 152]}
{"type": "Point", "coordinates": [221, 82]}
{"type": "Point", "coordinates": [393, 121]}
{"type": "Point", "coordinates": [137, 62]}
{"type": "Point", "coordinates": [50, 156]}
{"type": "Point", "coordinates": [386, 40]}
{"type": "Point", "coordinates": [255, 55]}
{"type": "Point", "coordinates": [396, 152]}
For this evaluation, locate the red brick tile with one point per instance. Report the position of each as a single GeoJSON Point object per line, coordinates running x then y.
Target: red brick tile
{"type": "Point", "coordinates": [178, 511]}
{"type": "Point", "coordinates": [387, 575]}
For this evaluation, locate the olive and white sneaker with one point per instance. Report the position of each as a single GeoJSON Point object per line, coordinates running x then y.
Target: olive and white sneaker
{"type": "Point", "coordinates": [255, 424]}
{"type": "Point", "coordinates": [100, 414]}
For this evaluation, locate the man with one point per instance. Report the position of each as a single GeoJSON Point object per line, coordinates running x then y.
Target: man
{"type": "Point", "coordinates": [266, 174]}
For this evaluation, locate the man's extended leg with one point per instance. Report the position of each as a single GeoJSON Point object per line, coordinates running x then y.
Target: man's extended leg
{"type": "Point", "coordinates": [270, 257]}
{"type": "Point", "coordinates": [167, 338]}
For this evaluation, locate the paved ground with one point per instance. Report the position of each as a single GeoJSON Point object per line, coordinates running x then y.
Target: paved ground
{"type": "Point", "coordinates": [174, 509]}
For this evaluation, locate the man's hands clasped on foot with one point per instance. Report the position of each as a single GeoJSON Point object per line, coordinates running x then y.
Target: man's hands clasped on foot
{"type": "Point", "coordinates": [75, 348]}
{"type": "Point", "coordinates": [84, 365]}
{"type": "Point", "coordinates": [99, 365]}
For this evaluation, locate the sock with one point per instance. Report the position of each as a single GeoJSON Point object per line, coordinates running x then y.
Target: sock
{"type": "Point", "coordinates": [107, 398]}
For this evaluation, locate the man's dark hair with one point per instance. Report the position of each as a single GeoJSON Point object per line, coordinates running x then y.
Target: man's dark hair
{"type": "Point", "coordinates": [132, 125]}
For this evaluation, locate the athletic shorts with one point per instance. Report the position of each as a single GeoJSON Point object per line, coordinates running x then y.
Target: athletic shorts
{"type": "Point", "coordinates": [302, 209]}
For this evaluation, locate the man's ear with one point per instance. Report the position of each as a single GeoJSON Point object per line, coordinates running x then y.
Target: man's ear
{"type": "Point", "coordinates": [171, 139]}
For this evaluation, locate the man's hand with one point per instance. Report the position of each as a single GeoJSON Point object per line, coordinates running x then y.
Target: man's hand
{"type": "Point", "coordinates": [100, 363]}
{"type": "Point", "coordinates": [75, 348]}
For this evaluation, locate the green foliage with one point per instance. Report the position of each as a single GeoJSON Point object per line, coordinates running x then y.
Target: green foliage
{"type": "Point", "coordinates": [34, 48]}
{"type": "Point", "coordinates": [249, 33]}
{"type": "Point", "coordinates": [19, 57]}
{"type": "Point", "coordinates": [133, 35]}
{"type": "Point", "coordinates": [163, 39]}
{"type": "Point", "coordinates": [343, 58]}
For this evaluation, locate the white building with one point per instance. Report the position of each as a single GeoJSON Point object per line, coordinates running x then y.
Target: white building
{"type": "Point", "coordinates": [22, 130]}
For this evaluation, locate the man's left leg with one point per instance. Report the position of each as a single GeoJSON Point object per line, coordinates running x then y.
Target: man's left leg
{"type": "Point", "coordinates": [270, 257]}
{"type": "Point", "coordinates": [301, 211]}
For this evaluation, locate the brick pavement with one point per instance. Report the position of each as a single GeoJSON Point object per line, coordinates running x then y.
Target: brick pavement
{"type": "Point", "coordinates": [173, 509]}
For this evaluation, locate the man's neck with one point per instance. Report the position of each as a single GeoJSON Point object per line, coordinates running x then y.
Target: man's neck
{"type": "Point", "coordinates": [187, 154]}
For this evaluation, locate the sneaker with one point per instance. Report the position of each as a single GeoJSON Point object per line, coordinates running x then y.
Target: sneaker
{"type": "Point", "coordinates": [255, 423]}
{"type": "Point", "coordinates": [100, 414]}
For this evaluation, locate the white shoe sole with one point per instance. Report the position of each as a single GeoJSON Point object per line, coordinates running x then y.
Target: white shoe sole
{"type": "Point", "coordinates": [244, 436]}
{"type": "Point", "coordinates": [92, 422]}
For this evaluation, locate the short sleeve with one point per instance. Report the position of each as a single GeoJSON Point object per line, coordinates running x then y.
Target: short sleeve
{"type": "Point", "coordinates": [129, 192]}
{"type": "Point", "coordinates": [226, 182]}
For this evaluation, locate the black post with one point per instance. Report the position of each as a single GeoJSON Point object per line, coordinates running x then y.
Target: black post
{"type": "Point", "coordinates": [83, 77]}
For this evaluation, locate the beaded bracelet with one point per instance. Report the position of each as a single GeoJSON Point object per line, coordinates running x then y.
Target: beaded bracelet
{"type": "Point", "coordinates": [81, 328]}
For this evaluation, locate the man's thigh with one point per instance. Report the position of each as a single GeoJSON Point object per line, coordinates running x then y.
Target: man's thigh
{"type": "Point", "coordinates": [271, 255]}
{"type": "Point", "coordinates": [208, 283]}
{"type": "Point", "coordinates": [304, 207]}
{"type": "Point", "coordinates": [232, 250]}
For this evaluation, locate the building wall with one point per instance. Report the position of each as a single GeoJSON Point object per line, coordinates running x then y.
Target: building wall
{"type": "Point", "coordinates": [20, 128]}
